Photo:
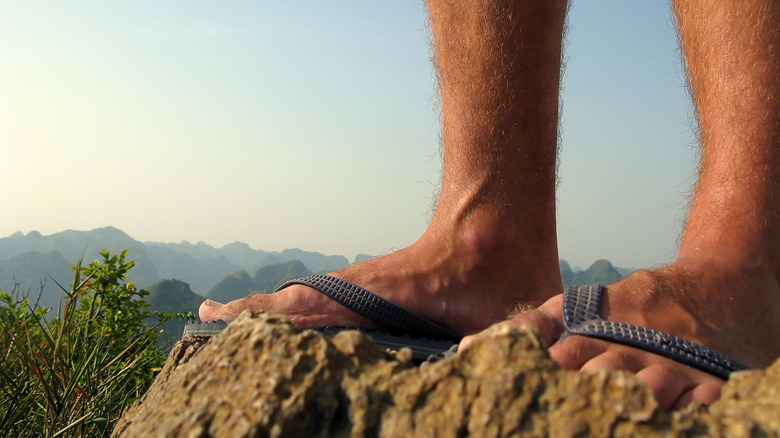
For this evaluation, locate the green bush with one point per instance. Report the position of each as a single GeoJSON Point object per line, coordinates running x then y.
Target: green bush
{"type": "Point", "coordinates": [74, 374]}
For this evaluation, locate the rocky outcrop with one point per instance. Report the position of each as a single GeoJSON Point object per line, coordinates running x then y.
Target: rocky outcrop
{"type": "Point", "coordinates": [263, 377]}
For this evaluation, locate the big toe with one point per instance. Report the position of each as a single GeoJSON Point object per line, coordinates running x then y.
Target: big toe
{"type": "Point", "coordinates": [546, 319]}
{"type": "Point", "coordinates": [210, 310]}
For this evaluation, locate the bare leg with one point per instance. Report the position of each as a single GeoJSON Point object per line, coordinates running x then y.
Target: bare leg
{"type": "Point", "coordinates": [723, 290]}
{"type": "Point", "coordinates": [491, 244]}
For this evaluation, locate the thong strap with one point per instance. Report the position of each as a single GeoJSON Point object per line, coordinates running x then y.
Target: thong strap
{"type": "Point", "coordinates": [581, 306]}
{"type": "Point", "coordinates": [374, 307]}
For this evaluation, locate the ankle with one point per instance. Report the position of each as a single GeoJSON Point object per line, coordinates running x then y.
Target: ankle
{"type": "Point", "coordinates": [486, 235]}
{"type": "Point", "coordinates": [496, 245]}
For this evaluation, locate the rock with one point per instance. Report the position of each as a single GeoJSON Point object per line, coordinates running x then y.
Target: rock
{"type": "Point", "coordinates": [263, 377]}
{"type": "Point", "coordinates": [749, 405]}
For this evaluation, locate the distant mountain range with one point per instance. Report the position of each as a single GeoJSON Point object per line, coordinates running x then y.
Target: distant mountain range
{"type": "Point", "coordinates": [32, 258]}
{"type": "Point", "coordinates": [179, 275]}
{"type": "Point", "coordinates": [264, 280]}
{"type": "Point", "coordinates": [172, 296]}
{"type": "Point", "coordinates": [601, 271]}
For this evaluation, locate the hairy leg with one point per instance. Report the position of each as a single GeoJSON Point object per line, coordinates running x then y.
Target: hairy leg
{"type": "Point", "coordinates": [491, 244]}
{"type": "Point", "coordinates": [723, 290]}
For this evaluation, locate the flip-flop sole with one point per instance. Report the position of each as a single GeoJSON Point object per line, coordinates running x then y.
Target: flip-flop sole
{"type": "Point", "coordinates": [423, 349]}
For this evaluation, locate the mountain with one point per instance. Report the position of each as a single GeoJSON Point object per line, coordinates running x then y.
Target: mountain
{"type": "Point", "coordinates": [265, 280]}
{"type": "Point", "coordinates": [74, 245]}
{"type": "Point", "coordinates": [30, 270]}
{"type": "Point", "coordinates": [566, 271]}
{"type": "Point", "coordinates": [601, 271]}
{"type": "Point", "coordinates": [236, 285]}
{"type": "Point", "coordinates": [314, 261]}
{"type": "Point", "coordinates": [32, 258]}
{"type": "Point", "coordinates": [172, 296]}
{"type": "Point", "coordinates": [176, 296]}
{"type": "Point", "coordinates": [362, 258]}
{"type": "Point", "coordinates": [242, 255]}
{"type": "Point", "coordinates": [201, 273]}
{"type": "Point", "coordinates": [268, 278]}
{"type": "Point", "coordinates": [201, 265]}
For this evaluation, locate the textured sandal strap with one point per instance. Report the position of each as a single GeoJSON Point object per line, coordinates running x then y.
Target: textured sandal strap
{"type": "Point", "coordinates": [581, 306]}
{"type": "Point", "coordinates": [374, 307]}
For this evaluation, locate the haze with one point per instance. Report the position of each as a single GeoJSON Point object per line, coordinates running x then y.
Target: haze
{"type": "Point", "coordinates": [314, 125]}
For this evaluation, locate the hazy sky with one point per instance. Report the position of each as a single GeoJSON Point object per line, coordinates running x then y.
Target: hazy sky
{"type": "Point", "coordinates": [314, 125]}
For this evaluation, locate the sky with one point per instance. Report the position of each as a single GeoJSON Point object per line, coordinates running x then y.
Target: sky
{"type": "Point", "coordinates": [315, 125]}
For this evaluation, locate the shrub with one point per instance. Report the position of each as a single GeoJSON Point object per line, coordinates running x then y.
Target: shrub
{"type": "Point", "coordinates": [74, 374]}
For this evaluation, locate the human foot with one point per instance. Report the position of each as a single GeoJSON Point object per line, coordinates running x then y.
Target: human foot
{"type": "Point", "coordinates": [464, 278]}
{"type": "Point", "coordinates": [729, 308]}
{"type": "Point", "coordinates": [491, 244]}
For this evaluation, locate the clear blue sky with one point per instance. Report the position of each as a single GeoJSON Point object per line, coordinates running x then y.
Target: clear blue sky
{"type": "Point", "coordinates": [314, 125]}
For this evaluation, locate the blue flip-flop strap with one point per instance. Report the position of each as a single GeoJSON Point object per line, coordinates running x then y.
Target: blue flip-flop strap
{"type": "Point", "coordinates": [374, 307]}
{"type": "Point", "coordinates": [581, 306]}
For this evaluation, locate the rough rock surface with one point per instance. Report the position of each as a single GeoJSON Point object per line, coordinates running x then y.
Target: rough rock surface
{"type": "Point", "coordinates": [263, 377]}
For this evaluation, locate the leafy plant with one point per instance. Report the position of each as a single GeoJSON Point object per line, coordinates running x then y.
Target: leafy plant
{"type": "Point", "coordinates": [74, 374]}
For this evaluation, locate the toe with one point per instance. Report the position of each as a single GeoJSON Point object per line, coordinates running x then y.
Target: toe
{"type": "Point", "coordinates": [209, 311]}
{"type": "Point", "coordinates": [669, 385]}
{"type": "Point", "coordinates": [674, 385]}
{"type": "Point", "coordinates": [588, 354]}
{"type": "Point", "coordinates": [546, 320]}
{"type": "Point", "coordinates": [213, 311]}
{"type": "Point", "coordinates": [602, 355]}
{"type": "Point", "coordinates": [705, 393]}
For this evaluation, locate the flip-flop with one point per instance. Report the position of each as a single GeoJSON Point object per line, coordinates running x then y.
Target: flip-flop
{"type": "Point", "coordinates": [581, 306]}
{"type": "Point", "coordinates": [423, 349]}
{"type": "Point", "coordinates": [402, 328]}
{"type": "Point", "coordinates": [386, 314]}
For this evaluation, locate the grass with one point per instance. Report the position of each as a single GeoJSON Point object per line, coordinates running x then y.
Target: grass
{"type": "Point", "coordinates": [74, 374]}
